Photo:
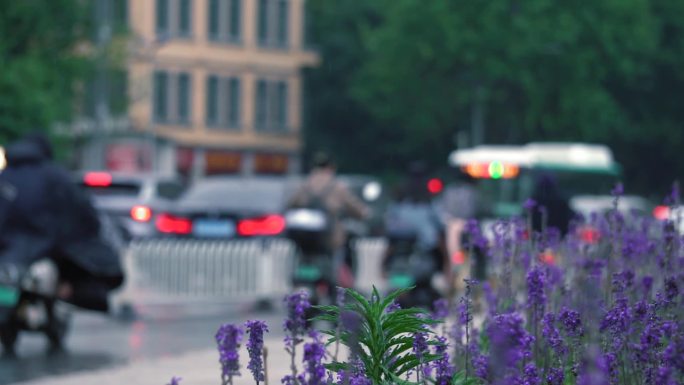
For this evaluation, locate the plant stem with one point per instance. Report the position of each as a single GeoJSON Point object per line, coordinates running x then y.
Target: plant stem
{"type": "Point", "coordinates": [264, 352]}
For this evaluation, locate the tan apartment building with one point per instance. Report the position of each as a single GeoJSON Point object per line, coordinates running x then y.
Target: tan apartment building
{"type": "Point", "coordinates": [214, 86]}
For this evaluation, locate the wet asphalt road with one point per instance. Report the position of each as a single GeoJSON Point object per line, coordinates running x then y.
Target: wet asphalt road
{"type": "Point", "coordinates": [97, 342]}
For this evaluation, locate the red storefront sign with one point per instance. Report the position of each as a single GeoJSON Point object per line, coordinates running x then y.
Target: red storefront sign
{"type": "Point", "coordinates": [270, 163]}
{"type": "Point", "coordinates": [222, 162]}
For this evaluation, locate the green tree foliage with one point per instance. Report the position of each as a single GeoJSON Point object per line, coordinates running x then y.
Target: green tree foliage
{"type": "Point", "coordinates": [605, 71]}
{"type": "Point", "coordinates": [40, 62]}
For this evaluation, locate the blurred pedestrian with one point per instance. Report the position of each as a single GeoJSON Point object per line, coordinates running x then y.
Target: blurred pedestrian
{"type": "Point", "coordinates": [552, 207]}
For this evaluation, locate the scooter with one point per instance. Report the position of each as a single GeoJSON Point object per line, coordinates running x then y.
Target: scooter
{"type": "Point", "coordinates": [28, 303]}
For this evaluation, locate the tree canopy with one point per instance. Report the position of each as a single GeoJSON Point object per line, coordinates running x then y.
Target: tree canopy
{"type": "Point", "coordinates": [419, 72]}
{"type": "Point", "coordinates": [40, 62]}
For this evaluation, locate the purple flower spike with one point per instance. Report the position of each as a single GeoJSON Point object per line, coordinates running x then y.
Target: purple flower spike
{"type": "Point", "coordinates": [175, 380]}
{"type": "Point", "coordinates": [572, 324]}
{"type": "Point", "coordinates": [255, 347]}
{"type": "Point", "coordinates": [531, 375]}
{"type": "Point", "coordinates": [536, 298]}
{"type": "Point", "coordinates": [444, 370]}
{"type": "Point", "coordinates": [555, 376]}
{"type": "Point", "coordinates": [313, 362]}
{"type": "Point", "coordinates": [420, 345]}
{"type": "Point", "coordinates": [441, 309]}
{"type": "Point", "coordinates": [551, 334]}
{"type": "Point", "coordinates": [228, 339]}
{"type": "Point", "coordinates": [297, 304]}
{"type": "Point", "coordinates": [529, 204]}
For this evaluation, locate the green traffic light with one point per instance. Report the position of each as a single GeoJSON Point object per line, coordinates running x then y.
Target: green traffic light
{"type": "Point", "coordinates": [496, 170]}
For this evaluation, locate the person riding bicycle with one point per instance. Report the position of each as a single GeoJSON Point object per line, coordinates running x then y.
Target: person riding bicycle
{"type": "Point", "coordinates": [337, 201]}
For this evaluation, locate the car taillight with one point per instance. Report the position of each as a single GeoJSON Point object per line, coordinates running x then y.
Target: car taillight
{"type": "Point", "coordinates": [589, 235]}
{"type": "Point", "coordinates": [267, 225]}
{"type": "Point", "coordinates": [141, 213]}
{"type": "Point", "coordinates": [661, 213]}
{"type": "Point", "coordinates": [435, 186]}
{"type": "Point", "coordinates": [170, 224]}
{"type": "Point", "coordinates": [97, 179]}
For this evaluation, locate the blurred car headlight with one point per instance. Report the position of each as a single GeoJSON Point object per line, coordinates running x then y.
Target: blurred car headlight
{"type": "Point", "coordinates": [371, 191]}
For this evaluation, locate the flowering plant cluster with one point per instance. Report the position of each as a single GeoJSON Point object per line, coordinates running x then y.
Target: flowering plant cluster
{"type": "Point", "coordinates": [601, 306]}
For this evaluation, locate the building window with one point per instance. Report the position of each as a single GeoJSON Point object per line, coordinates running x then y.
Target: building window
{"type": "Point", "coordinates": [271, 106]}
{"type": "Point", "coordinates": [225, 20]}
{"type": "Point", "coordinates": [223, 102]}
{"type": "Point", "coordinates": [173, 18]}
{"type": "Point", "coordinates": [172, 88]}
{"type": "Point", "coordinates": [183, 99]}
{"type": "Point", "coordinates": [273, 23]}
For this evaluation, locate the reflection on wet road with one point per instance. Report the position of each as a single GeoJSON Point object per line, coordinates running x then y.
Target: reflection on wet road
{"type": "Point", "coordinates": [97, 342]}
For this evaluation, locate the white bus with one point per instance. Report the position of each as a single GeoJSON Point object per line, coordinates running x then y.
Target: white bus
{"type": "Point", "coordinates": [507, 174]}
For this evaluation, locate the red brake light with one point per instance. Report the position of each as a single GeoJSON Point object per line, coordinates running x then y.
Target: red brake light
{"type": "Point", "coordinates": [589, 235]}
{"type": "Point", "coordinates": [661, 213]}
{"type": "Point", "coordinates": [458, 257]}
{"type": "Point", "coordinates": [141, 213]}
{"type": "Point", "coordinates": [435, 186]}
{"type": "Point", "coordinates": [170, 224]}
{"type": "Point", "coordinates": [268, 225]}
{"type": "Point", "coordinates": [97, 179]}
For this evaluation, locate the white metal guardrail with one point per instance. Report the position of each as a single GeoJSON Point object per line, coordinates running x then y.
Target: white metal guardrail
{"type": "Point", "coordinates": [176, 270]}
{"type": "Point", "coordinates": [169, 270]}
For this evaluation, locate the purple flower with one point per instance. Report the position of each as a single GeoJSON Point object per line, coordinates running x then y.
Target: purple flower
{"type": "Point", "coordinates": [228, 338]}
{"type": "Point", "coordinates": [355, 375]}
{"type": "Point", "coordinates": [297, 304]}
{"type": "Point", "coordinates": [555, 376]}
{"type": "Point", "coordinates": [529, 204]}
{"type": "Point", "coordinates": [647, 283]}
{"type": "Point", "coordinates": [314, 371]}
{"type": "Point", "coordinates": [394, 306]}
{"type": "Point", "coordinates": [175, 381]}
{"type": "Point", "coordinates": [510, 342]}
{"type": "Point", "coordinates": [444, 370]}
{"type": "Point", "coordinates": [617, 321]}
{"type": "Point", "coordinates": [618, 190]}
{"type": "Point", "coordinates": [481, 366]}
{"type": "Point", "coordinates": [531, 375]}
{"type": "Point", "coordinates": [551, 334]}
{"type": "Point", "coordinates": [490, 297]}
{"type": "Point", "coordinates": [420, 345]}
{"type": "Point", "coordinates": [441, 309]}
{"type": "Point", "coordinates": [673, 355]}
{"type": "Point", "coordinates": [536, 298]}
{"type": "Point", "coordinates": [572, 324]}
{"type": "Point", "coordinates": [255, 347]}
{"type": "Point", "coordinates": [671, 289]}
{"type": "Point", "coordinates": [593, 369]}
{"type": "Point", "coordinates": [622, 281]}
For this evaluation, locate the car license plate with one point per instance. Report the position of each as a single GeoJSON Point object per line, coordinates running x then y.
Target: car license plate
{"type": "Point", "coordinates": [401, 281]}
{"type": "Point", "coordinates": [9, 296]}
{"type": "Point", "coordinates": [308, 273]}
{"type": "Point", "coordinates": [214, 228]}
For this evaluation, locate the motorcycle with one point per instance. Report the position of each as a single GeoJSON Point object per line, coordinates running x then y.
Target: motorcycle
{"type": "Point", "coordinates": [28, 303]}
